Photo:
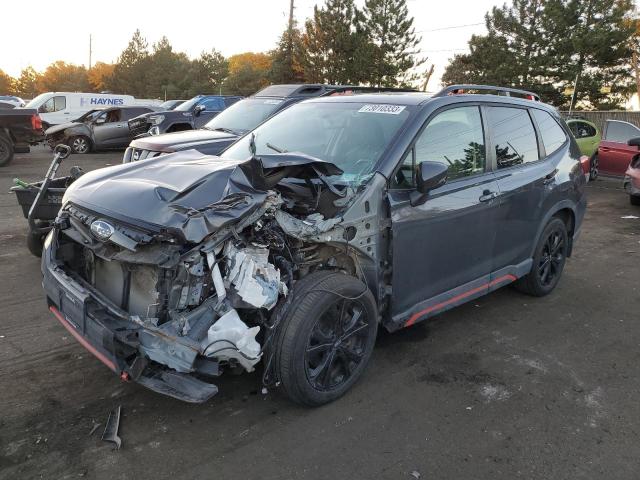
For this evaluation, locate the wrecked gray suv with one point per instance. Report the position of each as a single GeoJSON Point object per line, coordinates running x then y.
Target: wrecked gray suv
{"type": "Point", "coordinates": [336, 216]}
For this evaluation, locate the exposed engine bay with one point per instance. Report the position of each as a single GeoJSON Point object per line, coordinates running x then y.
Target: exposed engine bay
{"type": "Point", "coordinates": [205, 305]}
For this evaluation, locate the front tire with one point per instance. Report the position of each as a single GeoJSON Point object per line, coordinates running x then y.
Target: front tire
{"type": "Point", "coordinates": [548, 260]}
{"type": "Point", "coordinates": [80, 144]}
{"type": "Point", "coordinates": [35, 242]}
{"type": "Point", "coordinates": [325, 337]}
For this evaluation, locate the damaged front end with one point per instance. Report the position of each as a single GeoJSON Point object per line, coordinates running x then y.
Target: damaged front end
{"type": "Point", "coordinates": [187, 287]}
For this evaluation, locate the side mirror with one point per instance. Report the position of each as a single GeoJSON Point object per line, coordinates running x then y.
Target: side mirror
{"type": "Point", "coordinates": [429, 175]}
{"type": "Point", "coordinates": [634, 142]}
{"type": "Point", "coordinates": [199, 109]}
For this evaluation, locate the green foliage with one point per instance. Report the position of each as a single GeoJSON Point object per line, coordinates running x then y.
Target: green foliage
{"type": "Point", "coordinates": [248, 73]}
{"type": "Point", "coordinates": [336, 44]}
{"type": "Point", "coordinates": [64, 77]}
{"type": "Point", "coordinates": [288, 58]}
{"type": "Point", "coordinates": [394, 42]}
{"type": "Point", "coordinates": [542, 45]}
{"type": "Point", "coordinates": [6, 83]}
{"type": "Point", "coordinates": [26, 84]}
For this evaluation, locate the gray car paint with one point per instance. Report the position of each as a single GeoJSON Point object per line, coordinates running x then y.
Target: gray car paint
{"type": "Point", "coordinates": [418, 260]}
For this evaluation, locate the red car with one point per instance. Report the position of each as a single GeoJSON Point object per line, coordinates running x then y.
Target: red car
{"type": "Point", "coordinates": [632, 175]}
{"type": "Point", "coordinates": [614, 153]}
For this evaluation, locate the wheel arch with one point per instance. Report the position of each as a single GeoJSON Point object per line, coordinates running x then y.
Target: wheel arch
{"type": "Point", "coordinates": [565, 211]}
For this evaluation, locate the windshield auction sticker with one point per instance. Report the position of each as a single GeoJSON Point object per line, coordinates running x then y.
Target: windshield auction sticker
{"type": "Point", "coordinates": [381, 108]}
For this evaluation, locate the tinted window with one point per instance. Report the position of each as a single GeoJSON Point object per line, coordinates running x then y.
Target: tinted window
{"type": "Point", "coordinates": [621, 132]}
{"type": "Point", "coordinates": [581, 129]}
{"type": "Point", "coordinates": [230, 101]}
{"type": "Point", "coordinates": [454, 138]}
{"type": "Point", "coordinates": [513, 136]}
{"type": "Point", "coordinates": [129, 113]}
{"type": "Point", "coordinates": [552, 134]}
{"type": "Point", "coordinates": [213, 104]}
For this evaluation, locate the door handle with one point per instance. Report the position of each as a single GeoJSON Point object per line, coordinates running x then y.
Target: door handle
{"type": "Point", "coordinates": [605, 149]}
{"type": "Point", "coordinates": [549, 178]}
{"type": "Point", "coordinates": [487, 196]}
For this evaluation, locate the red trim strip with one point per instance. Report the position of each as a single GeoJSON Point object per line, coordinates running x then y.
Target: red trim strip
{"type": "Point", "coordinates": [99, 355]}
{"type": "Point", "coordinates": [457, 298]}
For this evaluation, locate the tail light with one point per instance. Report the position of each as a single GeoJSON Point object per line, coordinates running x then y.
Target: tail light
{"type": "Point", "coordinates": [36, 122]}
{"type": "Point", "coordinates": [585, 163]}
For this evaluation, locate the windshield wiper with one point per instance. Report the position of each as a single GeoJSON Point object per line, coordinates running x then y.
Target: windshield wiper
{"type": "Point", "coordinates": [223, 129]}
{"type": "Point", "coordinates": [276, 149]}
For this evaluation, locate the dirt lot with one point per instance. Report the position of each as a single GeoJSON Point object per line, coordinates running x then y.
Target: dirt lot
{"type": "Point", "coordinates": [504, 387]}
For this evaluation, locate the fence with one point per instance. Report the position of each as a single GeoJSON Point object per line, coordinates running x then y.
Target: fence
{"type": "Point", "coordinates": [599, 117]}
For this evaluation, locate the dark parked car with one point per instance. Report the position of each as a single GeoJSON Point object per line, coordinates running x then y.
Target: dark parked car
{"type": "Point", "coordinates": [189, 115]}
{"type": "Point", "coordinates": [336, 216]}
{"type": "Point", "coordinates": [243, 116]}
{"type": "Point", "coordinates": [99, 129]}
{"type": "Point", "coordinates": [19, 128]}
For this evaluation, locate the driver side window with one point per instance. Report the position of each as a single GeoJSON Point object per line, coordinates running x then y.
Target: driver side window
{"type": "Point", "coordinates": [454, 138]}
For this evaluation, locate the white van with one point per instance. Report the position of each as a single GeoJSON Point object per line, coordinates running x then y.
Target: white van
{"type": "Point", "coordinates": [63, 107]}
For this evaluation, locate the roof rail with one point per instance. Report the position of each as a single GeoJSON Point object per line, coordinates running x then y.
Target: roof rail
{"type": "Point", "coordinates": [459, 89]}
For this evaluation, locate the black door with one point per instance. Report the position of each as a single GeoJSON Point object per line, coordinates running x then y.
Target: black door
{"type": "Point", "coordinates": [442, 248]}
{"type": "Point", "coordinates": [525, 179]}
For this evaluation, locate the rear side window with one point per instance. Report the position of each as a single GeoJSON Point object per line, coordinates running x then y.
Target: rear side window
{"type": "Point", "coordinates": [213, 104]}
{"type": "Point", "coordinates": [513, 136]}
{"type": "Point", "coordinates": [60, 103]}
{"type": "Point", "coordinates": [455, 138]}
{"type": "Point", "coordinates": [621, 132]}
{"type": "Point", "coordinates": [553, 136]}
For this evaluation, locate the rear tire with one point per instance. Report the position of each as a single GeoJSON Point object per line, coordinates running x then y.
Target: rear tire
{"type": "Point", "coordinates": [6, 150]}
{"type": "Point", "coordinates": [634, 200]}
{"type": "Point", "coordinates": [80, 144]}
{"type": "Point", "coordinates": [593, 167]}
{"type": "Point", "coordinates": [548, 260]}
{"type": "Point", "coordinates": [325, 337]}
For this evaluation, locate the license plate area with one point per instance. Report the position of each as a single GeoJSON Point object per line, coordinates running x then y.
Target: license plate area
{"type": "Point", "coordinates": [72, 307]}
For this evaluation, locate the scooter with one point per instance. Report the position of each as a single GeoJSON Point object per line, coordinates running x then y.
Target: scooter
{"type": "Point", "coordinates": [41, 201]}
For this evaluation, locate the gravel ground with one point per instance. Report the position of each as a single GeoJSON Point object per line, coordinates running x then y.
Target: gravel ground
{"type": "Point", "coordinates": [506, 386]}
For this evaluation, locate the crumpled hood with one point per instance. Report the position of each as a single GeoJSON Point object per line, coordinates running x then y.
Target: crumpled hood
{"type": "Point", "coordinates": [187, 192]}
{"type": "Point", "coordinates": [61, 127]}
{"type": "Point", "coordinates": [185, 140]}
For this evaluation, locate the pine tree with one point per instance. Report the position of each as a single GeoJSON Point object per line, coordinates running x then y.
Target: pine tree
{"type": "Point", "coordinates": [130, 74]}
{"type": "Point", "coordinates": [542, 46]}
{"type": "Point", "coordinates": [288, 58]}
{"type": "Point", "coordinates": [391, 31]}
{"type": "Point", "coordinates": [336, 44]}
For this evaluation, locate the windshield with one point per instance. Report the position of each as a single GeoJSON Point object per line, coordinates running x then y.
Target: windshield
{"type": "Point", "coordinates": [36, 102]}
{"type": "Point", "coordinates": [244, 115]}
{"type": "Point", "coordinates": [188, 105]}
{"type": "Point", "coordinates": [351, 135]}
{"type": "Point", "coordinates": [169, 105]}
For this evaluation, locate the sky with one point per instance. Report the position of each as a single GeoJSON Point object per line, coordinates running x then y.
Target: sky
{"type": "Point", "coordinates": [60, 30]}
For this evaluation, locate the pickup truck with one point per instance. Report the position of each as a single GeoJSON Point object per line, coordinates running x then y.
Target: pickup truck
{"type": "Point", "coordinates": [19, 128]}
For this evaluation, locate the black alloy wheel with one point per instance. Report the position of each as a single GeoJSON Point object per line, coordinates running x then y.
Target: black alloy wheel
{"type": "Point", "coordinates": [337, 344]}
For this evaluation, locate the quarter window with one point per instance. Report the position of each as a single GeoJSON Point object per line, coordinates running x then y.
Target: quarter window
{"type": "Point", "coordinates": [553, 137]}
{"type": "Point", "coordinates": [513, 136]}
{"type": "Point", "coordinates": [455, 138]}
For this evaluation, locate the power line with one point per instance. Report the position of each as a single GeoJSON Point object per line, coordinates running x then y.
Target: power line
{"type": "Point", "coordinates": [450, 27]}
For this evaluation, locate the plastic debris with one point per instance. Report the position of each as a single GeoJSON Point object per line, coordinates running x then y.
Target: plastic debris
{"type": "Point", "coordinates": [110, 433]}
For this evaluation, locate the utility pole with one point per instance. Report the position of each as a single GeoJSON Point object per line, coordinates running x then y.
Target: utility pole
{"type": "Point", "coordinates": [574, 97]}
{"type": "Point", "coordinates": [290, 41]}
{"type": "Point", "coordinates": [291, 18]}
{"type": "Point", "coordinates": [634, 61]}
{"type": "Point", "coordinates": [89, 52]}
{"type": "Point", "coordinates": [427, 78]}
